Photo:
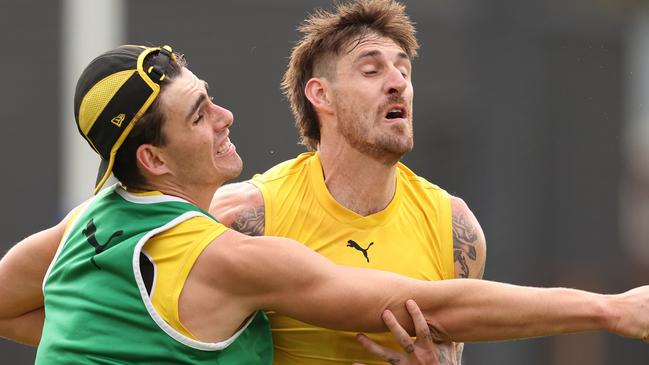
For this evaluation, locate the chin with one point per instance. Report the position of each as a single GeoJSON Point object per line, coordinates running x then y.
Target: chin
{"type": "Point", "coordinates": [390, 155]}
{"type": "Point", "coordinates": [233, 172]}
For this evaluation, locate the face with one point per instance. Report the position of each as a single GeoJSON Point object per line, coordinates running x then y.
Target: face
{"type": "Point", "coordinates": [372, 96]}
{"type": "Point", "coordinates": [198, 150]}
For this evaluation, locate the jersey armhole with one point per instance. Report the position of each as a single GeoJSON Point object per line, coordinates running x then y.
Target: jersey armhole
{"type": "Point", "coordinates": [446, 222]}
{"type": "Point", "coordinates": [72, 218]}
{"type": "Point", "coordinates": [153, 313]}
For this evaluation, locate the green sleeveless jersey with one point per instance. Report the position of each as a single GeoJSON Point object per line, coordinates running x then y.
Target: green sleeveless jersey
{"type": "Point", "coordinates": [97, 309]}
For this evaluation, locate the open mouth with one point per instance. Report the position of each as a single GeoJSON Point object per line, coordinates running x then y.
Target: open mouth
{"type": "Point", "coordinates": [224, 147]}
{"type": "Point", "coordinates": [396, 113]}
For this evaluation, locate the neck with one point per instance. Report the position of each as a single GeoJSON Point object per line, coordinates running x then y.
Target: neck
{"type": "Point", "coordinates": [357, 182]}
{"type": "Point", "coordinates": [199, 196]}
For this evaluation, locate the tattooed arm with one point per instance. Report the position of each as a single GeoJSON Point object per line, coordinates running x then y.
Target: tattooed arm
{"type": "Point", "coordinates": [240, 206]}
{"type": "Point", "coordinates": [469, 246]}
{"type": "Point", "coordinates": [469, 249]}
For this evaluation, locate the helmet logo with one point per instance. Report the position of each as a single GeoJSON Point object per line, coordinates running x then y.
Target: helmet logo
{"type": "Point", "coordinates": [118, 120]}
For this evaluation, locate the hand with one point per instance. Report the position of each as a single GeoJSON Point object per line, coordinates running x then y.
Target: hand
{"type": "Point", "coordinates": [631, 310]}
{"type": "Point", "coordinates": [423, 351]}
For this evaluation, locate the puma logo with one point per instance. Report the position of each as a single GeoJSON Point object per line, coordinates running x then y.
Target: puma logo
{"type": "Point", "coordinates": [89, 232]}
{"type": "Point", "coordinates": [356, 246]}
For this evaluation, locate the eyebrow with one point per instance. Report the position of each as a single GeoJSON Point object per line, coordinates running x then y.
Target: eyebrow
{"type": "Point", "coordinates": [375, 53]}
{"type": "Point", "coordinates": [198, 101]}
{"type": "Point", "coordinates": [196, 105]}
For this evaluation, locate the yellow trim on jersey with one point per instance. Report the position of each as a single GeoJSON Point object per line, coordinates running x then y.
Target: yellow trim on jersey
{"type": "Point", "coordinates": [72, 217]}
{"type": "Point", "coordinates": [174, 253]}
{"type": "Point", "coordinates": [146, 193]}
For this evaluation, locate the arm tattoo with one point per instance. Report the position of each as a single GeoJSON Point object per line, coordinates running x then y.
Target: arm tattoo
{"type": "Point", "coordinates": [250, 221]}
{"type": "Point", "coordinates": [464, 239]}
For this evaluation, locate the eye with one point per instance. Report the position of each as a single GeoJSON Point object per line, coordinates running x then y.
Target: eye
{"type": "Point", "coordinates": [198, 118]}
{"type": "Point", "coordinates": [370, 72]}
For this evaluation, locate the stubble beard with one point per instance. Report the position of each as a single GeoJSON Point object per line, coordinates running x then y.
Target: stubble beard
{"type": "Point", "coordinates": [385, 147]}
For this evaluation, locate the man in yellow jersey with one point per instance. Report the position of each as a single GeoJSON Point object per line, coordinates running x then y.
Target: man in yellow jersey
{"type": "Point", "coordinates": [351, 200]}
{"type": "Point", "coordinates": [142, 274]}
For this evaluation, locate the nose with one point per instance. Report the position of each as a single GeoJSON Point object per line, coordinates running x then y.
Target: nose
{"type": "Point", "coordinates": [222, 117]}
{"type": "Point", "coordinates": [396, 83]}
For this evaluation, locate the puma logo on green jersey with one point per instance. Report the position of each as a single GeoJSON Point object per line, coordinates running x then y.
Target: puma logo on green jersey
{"type": "Point", "coordinates": [89, 232]}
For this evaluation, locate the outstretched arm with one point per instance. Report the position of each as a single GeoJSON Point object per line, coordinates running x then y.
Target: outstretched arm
{"type": "Point", "coordinates": [470, 310]}
{"type": "Point", "coordinates": [278, 274]}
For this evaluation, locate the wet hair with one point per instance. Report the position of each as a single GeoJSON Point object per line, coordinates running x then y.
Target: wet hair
{"type": "Point", "coordinates": [326, 34]}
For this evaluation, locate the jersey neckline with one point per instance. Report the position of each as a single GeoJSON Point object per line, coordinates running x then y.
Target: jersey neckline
{"type": "Point", "coordinates": [340, 212]}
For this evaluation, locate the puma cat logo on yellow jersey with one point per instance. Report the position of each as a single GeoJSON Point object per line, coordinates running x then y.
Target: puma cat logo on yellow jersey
{"type": "Point", "coordinates": [356, 246]}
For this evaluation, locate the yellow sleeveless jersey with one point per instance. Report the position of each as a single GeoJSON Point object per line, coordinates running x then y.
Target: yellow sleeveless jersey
{"type": "Point", "coordinates": [412, 237]}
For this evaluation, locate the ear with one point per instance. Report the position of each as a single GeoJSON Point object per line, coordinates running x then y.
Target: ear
{"type": "Point", "coordinates": [151, 160]}
{"type": "Point", "coordinates": [317, 91]}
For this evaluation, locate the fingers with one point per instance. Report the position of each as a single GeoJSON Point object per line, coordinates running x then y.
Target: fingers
{"type": "Point", "coordinates": [399, 333]}
{"type": "Point", "coordinates": [421, 327]}
{"type": "Point", "coordinates": [378, 350]}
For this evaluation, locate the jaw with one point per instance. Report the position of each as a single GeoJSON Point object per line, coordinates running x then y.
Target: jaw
{"type": "Point", "coordinates": [229, 166]}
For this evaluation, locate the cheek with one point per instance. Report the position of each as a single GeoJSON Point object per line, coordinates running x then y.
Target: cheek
{"type": "Point", "coordinates": [191, 149]}
{"type": "Point", "coordinates": [199, 139]}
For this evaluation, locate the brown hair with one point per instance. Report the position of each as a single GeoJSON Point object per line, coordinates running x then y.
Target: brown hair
{"type": "Point", "coordinates": [328, 33]}
{"type": "Point", "coordinates": [147, 130]}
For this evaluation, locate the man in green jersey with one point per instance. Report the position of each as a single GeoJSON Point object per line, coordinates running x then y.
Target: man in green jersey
{"type": "Point", "coordinates": [141, 274]}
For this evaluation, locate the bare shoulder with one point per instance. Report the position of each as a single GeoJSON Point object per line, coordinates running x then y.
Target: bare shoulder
{"type": "Point", "coordinates": [43, 244]}
{"type": "Point", "coordinates": [240, 206]}
{"type": "Point", "coordinates": [469, 244]}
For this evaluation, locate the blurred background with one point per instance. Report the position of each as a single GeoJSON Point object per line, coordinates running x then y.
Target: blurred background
{"type": "Point", "coordinates": [536, 113]}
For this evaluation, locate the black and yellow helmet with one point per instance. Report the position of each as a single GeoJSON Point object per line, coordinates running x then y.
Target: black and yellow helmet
{"type": "Point", "coordinates": [112, 93]}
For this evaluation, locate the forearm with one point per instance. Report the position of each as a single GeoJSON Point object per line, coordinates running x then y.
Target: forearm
{"type": "Point", "coordinates": [306, 287]}
{"type": "Point", "coordinates": [461, 310]}
{"type": "Point", "coordinates": [472, 310]}
{"type": "Point", "coordinates": [25, 329]}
